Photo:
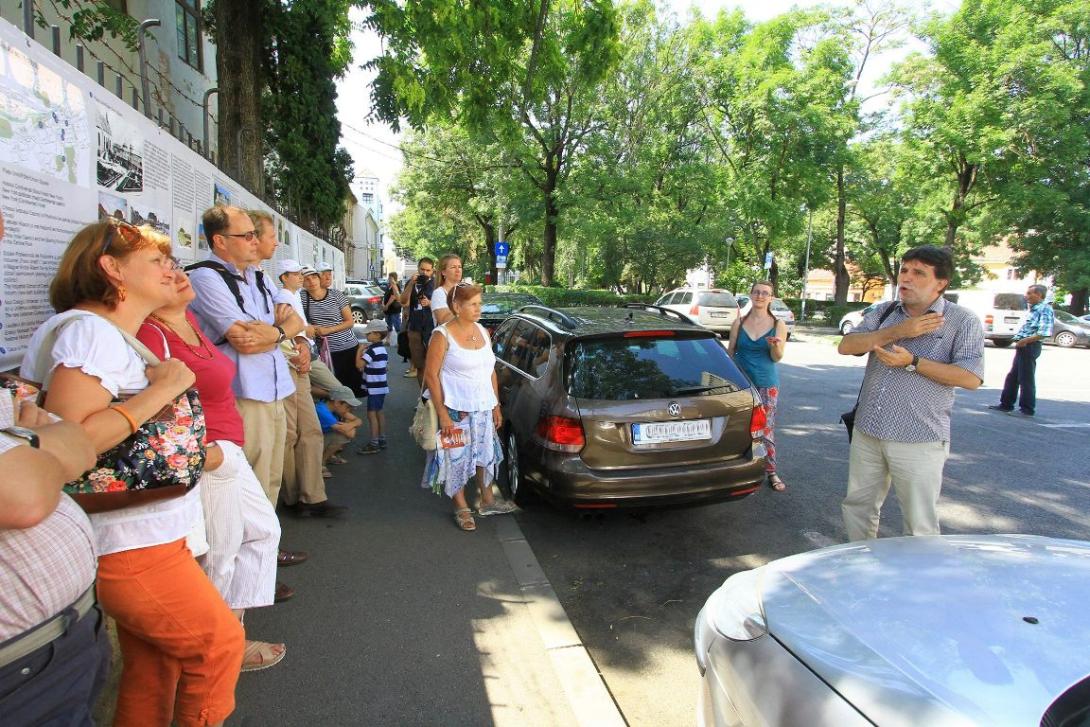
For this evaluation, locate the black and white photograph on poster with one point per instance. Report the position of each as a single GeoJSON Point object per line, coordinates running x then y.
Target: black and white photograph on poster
{"type": "Point", "coordinates": [120, 153]}
{"type": "Point", "coordinates": [112, 205]}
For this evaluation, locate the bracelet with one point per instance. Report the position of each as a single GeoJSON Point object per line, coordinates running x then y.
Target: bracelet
{"type": "Point", "coordinates": [133, 426]}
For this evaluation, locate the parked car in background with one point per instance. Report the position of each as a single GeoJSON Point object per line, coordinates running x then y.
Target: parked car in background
{"type": "Point", "coordinates": [364, 300]}
{"type": "Point", "coordinates": [498, 307]}
{"type": "Point", "coordinates": [1002, 314]}
{"type": "Point", "coordinates": [710, 307]}
{"type": "Point", "coordinates": [1068, 331]}
{"type": "Point", "coordinates": [629, 406]}
{"type": "Point", "coordinates": [944, 630]}
{"type": "Point", "coordinates": [851, 320]}
{"type": "Point", "coordinates": [1085, 318]}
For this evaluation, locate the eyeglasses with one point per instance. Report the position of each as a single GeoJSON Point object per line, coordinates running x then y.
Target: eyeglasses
{"type": "Point", "coordinates": [130, 233]}
{"type": "Point", "coordinates": [247, 236]}
{"type": "Point", "coordinates": [760, 294]}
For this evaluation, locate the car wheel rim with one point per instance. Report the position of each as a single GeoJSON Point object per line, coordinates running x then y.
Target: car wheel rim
{"type": "Point", "coordinates": [1065, 339]}
{"type": "Point", "coordinates": [512, 464]}
{"type": "Point", "coordinates": [358, 317]}
{"type": "Point", "coordinates": [846, 329]}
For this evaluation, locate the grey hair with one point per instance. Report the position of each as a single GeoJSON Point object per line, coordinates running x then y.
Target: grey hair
{"type": "Point", "coordinates": [1041, 290]}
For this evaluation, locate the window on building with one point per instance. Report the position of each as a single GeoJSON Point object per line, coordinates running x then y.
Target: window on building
{"type": "Point", "coordinates": [187, 13]}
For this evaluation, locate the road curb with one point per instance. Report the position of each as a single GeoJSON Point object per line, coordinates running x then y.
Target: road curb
{"type": "Point", "coordinates": [583, 685]}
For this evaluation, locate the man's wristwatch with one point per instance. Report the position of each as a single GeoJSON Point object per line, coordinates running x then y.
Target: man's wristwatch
{"type": "Point", "coordinates": [282, 334]}
{"type": "Point", "coordinates": [912, 366]}
{"type": "Point", "coordinates": [27, 435]}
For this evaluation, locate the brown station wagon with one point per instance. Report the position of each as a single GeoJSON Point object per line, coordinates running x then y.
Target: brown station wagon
{"type": "Point", "coordinates": [629, 406]}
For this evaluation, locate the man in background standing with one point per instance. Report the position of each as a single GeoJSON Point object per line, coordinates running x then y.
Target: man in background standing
{"type": "Point", "coordinates": [416, 297]}
{"type": "Point", "coordinates": [1027, 349]}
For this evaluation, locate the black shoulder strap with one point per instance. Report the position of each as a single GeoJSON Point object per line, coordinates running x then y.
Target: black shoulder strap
{"type": "Point", "coordinates": [268, 294]}
{"type": "Point", "coordinates": [232, 280]}
{"type": "Point", "coordinates": [886, 313]}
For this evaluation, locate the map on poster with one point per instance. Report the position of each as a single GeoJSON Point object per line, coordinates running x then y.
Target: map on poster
{"type": "Point", "coordinates": [44, 123]}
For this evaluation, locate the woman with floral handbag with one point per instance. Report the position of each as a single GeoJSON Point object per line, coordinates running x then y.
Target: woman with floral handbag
{"type": "Point", "coordinates": [181, 645]}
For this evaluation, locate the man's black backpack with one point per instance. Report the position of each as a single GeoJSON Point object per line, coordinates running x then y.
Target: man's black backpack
{"type": "Point", "coordinates": [232, 280]}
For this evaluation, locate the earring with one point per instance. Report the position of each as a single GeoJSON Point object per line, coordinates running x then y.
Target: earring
{"type": "Point", "coordinates": [122, 293]}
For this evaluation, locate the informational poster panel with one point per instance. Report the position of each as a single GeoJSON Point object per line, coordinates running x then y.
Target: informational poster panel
{"type": "Point", "coordinates": [70, 153]}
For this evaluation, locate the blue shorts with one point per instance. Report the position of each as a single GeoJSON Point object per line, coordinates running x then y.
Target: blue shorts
{"type": "Point", "coordinates": [375, 402]}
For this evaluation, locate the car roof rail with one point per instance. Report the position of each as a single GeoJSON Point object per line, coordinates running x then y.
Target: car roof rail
{"type": "Point", "coordinates": [661, 311]}
{"type": "Point", "coordinates": [552, 314]}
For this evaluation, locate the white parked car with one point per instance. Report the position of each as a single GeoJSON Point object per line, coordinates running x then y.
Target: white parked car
{"type": "Point", "coordinates": [851, 320]}
{"type": "Point", "coordinates": [935, 631]}
{"type": "Point", "coordinates": [710, 307]}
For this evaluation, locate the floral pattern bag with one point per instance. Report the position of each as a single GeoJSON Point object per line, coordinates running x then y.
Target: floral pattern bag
{"type": "Point", "coordinates": [162, 459]}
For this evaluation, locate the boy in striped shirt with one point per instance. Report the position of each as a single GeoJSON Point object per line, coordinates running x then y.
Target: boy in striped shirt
{"type": "Point", "coordinates": [371, 361]}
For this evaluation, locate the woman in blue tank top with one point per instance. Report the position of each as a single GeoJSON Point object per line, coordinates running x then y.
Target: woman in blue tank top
{"type": "Point", "coordinates": [757, 340]}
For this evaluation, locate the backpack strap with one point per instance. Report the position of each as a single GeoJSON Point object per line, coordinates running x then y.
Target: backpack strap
{"type": "Point", "coordinates": [231, 279]}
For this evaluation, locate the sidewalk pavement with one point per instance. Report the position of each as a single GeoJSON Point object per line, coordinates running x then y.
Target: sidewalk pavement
{"type": "Point", "coordinates": [400, 618]}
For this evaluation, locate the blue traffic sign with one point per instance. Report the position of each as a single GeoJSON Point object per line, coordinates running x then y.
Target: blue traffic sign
{"type": "Point", "coordinates": [501, 261]}
{"type": "Point", "coordinates": [502, 249]}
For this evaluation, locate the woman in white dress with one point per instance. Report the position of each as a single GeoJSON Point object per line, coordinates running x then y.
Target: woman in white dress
{"type": "Point", "coordinates": [461, 376]}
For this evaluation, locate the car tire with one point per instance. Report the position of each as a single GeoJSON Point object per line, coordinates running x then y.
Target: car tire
{"type": "Point", "coordinates": [1001, 342]}
{"type": "Point", "coordinates": [1065, 339]}
{"type": "Point", "coordinates": [846, 327]}
{"type": "Point", "coordinates": [358, 316]}
{"type": "Point", "coordinates": [513, 484]}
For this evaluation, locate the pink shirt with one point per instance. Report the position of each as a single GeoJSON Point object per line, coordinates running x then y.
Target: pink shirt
{"type": "Point", "coordinates": [214, 373]}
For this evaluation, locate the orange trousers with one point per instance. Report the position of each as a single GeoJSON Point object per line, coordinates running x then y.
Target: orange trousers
{"type": "Point", "coordinates": [181, 645]}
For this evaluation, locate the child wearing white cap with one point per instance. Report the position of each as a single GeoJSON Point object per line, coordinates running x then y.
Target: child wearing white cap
{"type": "Point", "coordinates": [371, 361]}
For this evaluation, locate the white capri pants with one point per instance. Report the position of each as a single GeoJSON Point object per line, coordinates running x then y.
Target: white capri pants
{"type": "Point", "coordinates": [242, 530]}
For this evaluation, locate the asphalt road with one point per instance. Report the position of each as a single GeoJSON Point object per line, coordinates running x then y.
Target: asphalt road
{"type": "Point", "coordinates": [633, 584]}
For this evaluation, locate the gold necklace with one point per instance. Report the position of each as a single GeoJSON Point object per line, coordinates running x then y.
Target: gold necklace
{"type": "Point", "coordinates": [195, 352]}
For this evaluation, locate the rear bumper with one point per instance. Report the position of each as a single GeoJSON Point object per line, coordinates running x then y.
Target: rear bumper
{"type": "Point", "coordinates": [565, 479]}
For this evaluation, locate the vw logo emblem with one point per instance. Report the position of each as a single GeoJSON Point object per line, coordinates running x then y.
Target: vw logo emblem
{"type": "Point", "coordinates": [674, 408]}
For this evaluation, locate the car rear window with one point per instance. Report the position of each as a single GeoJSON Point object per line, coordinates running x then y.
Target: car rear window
{"type": "Point", "coordinates": [1009, 301]}
{"type": "Point", "coordinates": [718, 300]}
{"type": "Point", "coordinates": [778, 305]}
{"type": "Point", "coordinates": [621, 369]}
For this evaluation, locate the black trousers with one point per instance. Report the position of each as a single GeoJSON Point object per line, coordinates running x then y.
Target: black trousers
{"type": "Point", "coordinates": [57, 685]}
{"type": "Point", "coordinates": [1021, 383]}
{"type": "Point", "coordinates": [344, 368]}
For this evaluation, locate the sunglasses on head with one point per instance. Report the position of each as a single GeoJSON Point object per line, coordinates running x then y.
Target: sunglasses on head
{"type": "Point", "coordinates": [130, 233]}
{"type": "Point", "coordinates": [454, 293]}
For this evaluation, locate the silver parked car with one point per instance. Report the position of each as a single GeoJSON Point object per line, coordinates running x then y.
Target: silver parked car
{"type": "Point", "coordinates": [709, 307]}
{"type": "Point", "coordinates": [943, 630]}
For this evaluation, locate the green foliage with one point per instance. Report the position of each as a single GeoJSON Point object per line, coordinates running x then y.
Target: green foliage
{"type": "Point", "coordinates": [91, 21]}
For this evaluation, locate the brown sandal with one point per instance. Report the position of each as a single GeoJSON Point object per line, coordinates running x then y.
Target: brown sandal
{"type": "Point", "coordinates": [776, 483]}
{"type": "Point", "coordinates": [260, 655]}
{"type": "Point", "coordinates": [463, 518]}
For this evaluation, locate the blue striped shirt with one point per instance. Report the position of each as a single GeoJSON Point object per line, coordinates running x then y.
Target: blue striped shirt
{"type": "Point", "coordinates": [1039, 322]}
{"type": "Point", "coordinates": [374, 369]}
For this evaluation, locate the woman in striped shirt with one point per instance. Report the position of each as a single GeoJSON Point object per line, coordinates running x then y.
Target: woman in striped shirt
{"type": "Point", "coordinates": [329, 316]}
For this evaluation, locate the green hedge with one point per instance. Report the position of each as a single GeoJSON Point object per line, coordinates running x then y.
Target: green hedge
{"type": "Point", "coordinates": [830, 311]}
{"type": "Point", "coordinates": [564, 297]}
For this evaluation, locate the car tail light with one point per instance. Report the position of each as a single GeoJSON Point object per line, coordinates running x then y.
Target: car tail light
{"type": "Point", "coordinates": [758, 420]}
{"type": "Point", "coordinates": [648, 334]}
{"type": "Point", "coordinates": [563, 434]}
{"type": "Point", "coordinates": [374, 299]}
{"type": "Point", "coordinates": [695, 310]}
{"type": "Point", "coordinates": [989, 322]}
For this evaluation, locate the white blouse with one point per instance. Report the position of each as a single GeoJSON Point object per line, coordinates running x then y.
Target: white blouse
{"type": "Point", "coordinates": [95, 346]}
{"type": "Point", "coordinates": [466, 375]}
{"type": "Point", "coordinates": [437, 302]}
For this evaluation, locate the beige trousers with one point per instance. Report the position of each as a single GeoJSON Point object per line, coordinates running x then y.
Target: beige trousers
{"type": "Point", "coordinates": [915, 471]}
{"type": "Point", "coordinates": [266, 429]}
{"type": "Point", "coordinates": [303, 450]}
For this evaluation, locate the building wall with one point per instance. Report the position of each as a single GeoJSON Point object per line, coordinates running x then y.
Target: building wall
{"type": "Point", "coordinates": [364, 243]}
{"type": "Point", "coordinates": [175, 87]}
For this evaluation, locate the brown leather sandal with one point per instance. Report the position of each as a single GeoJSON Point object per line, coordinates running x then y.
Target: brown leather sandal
{"type": "Point", "coordinates": [260, 655]}
{"type": "Point", "coordinates": [776, 483]}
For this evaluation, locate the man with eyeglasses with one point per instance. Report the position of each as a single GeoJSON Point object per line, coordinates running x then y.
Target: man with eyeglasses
{"type": "Point", "coordinates": [237, 309]}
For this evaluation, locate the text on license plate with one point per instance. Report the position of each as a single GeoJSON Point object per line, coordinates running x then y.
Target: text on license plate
{"type": "Point", "coordinates": [718, 314]}
{"type": "Point", "coordinates": [685, 431]}
{"type": "Point", "coordinates": [1011, 320]}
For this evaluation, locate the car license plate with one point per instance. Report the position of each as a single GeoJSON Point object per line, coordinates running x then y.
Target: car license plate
{"type": "Point", "coordinates": [1011, 320]}
{"type": "Point", "coordinates": [719, 314]}
{"type": "Point", "coordinates": [659, 432]}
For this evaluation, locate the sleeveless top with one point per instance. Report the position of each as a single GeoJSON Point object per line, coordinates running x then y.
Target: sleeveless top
{"type": "Point", "coordinates": [466, 375]}
{"type": "Point", "coordinates": [755, 360]}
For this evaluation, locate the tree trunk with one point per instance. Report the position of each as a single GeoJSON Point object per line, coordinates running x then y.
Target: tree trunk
{"type": "Point", "coordinates": [239, 37]}
{"type": "Point", "coordinates": [548, 252]}
{"type": "Point", "coordinates": [966, 179]}
{"type": "Point", "coordinates": [1079, 300]}
{"type": "Point", "coordinates": [843, 280]}
{"type": "Point", "coordinates": [490, 245]}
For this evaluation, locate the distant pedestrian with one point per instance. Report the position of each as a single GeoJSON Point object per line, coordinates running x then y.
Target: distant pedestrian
{"type": "Point", "coordinates": [461, 379]}
{"type": "Point", "coordinates": [1027, 349]}
{"type": "Point", "coordinates": [372, 362]}
{"type": "Point", "coordinates": [919, 351]}
{"type": "Point", "coordinates": [757, 342]}
{"type": "Point", "coordinates": [416, 297]}
{"type": "Point", "coordinates": [391, 308]}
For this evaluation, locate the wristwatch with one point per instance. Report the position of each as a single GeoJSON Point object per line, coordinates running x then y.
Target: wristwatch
{"type": "Point", "coordinates": [282, 334]}
{"type": "Point", "coordinates": [27, 435]}
{"type": "Point", "coordinates": [912, 366]}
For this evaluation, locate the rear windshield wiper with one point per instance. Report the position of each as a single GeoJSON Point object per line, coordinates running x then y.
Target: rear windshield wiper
{"type": "Point", "coordinates": [702, 389]}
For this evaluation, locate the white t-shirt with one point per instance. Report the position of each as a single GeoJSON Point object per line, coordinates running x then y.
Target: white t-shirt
{"type": "Point", "coordinates": [438, 302]}
{"type": "Point", "coordinates": [95, 346]}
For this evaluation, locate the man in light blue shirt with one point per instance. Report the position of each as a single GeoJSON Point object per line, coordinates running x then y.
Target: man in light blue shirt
{"type": "Point", "coordinates": [1027, 349]}
{"type": "Point", "coordinates": [236, 308]}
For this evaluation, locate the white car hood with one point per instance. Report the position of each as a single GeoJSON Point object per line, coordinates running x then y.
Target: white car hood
{"type": "Point", "coordinates": [931, 630]}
